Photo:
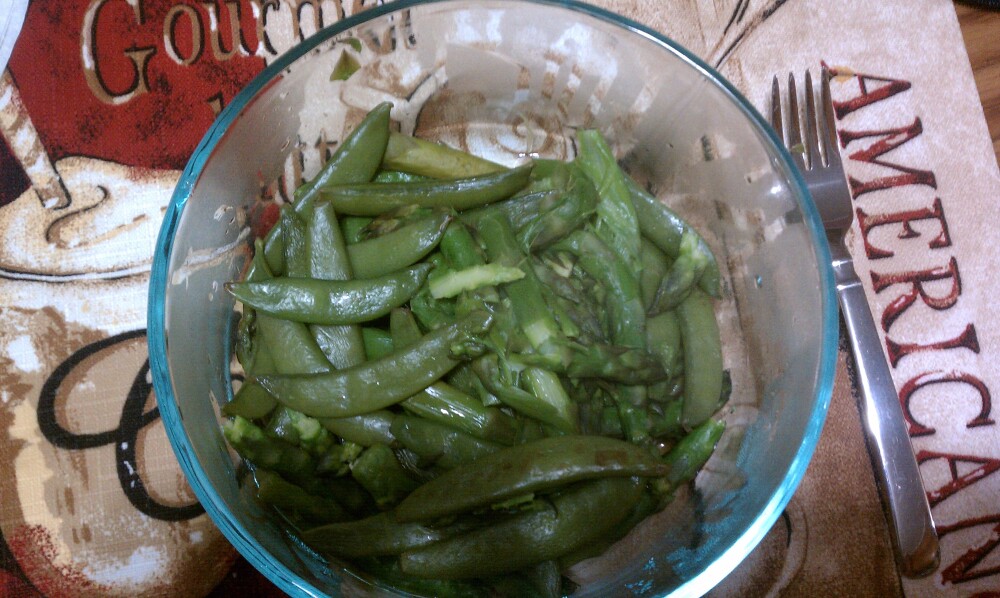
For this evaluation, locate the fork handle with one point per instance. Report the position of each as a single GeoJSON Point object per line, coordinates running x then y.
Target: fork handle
{"type": "Point", "coordinates": [915, 540]}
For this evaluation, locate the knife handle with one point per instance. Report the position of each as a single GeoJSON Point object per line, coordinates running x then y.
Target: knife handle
{"type": "Point", "coordinates": [915, 540]}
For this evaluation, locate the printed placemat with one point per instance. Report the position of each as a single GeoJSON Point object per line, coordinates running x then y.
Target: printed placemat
{"type": "Point", "coordinates": [92, 142]}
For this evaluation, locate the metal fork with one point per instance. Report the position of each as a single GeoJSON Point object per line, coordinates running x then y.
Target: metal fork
{"type": "Point", "coordinates": [915, 541]}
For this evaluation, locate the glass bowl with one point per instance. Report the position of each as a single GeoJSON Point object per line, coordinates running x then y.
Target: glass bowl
{"type": "Point", "coordinates": [511, 79]}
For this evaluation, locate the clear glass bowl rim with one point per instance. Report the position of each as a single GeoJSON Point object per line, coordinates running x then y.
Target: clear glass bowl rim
{"type": "Point", "coordinates": [240, 538]}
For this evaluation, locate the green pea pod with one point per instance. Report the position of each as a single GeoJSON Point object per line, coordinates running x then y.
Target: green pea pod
{"type": "Point", "coordinates": [327, 254]}
{"type": "Point", "coordinates": [538, 466]}
{"type": "Point", "coordinates": [381, 474]}
{"type": "Point", "coordinates": [366, 429]}
{"type": "Point", "coordinates": [255, 446]}
{"type": "Point", "coordinates": [682, 276]}
{"type": "Point", "coordinates": [663, 337]}
{"type": "Point", "coordinates": [358, 157]}
{"type": "Point", "coordinates": [377, 342]}
{"type": "Point", "coordinates": [398, 249]}
{"type": "Point", "coordinates": [703, 374]}
{"type": "Point", "coordinates": [426, 158]}
{"type": "Point", "coordinates": [692, 452]}
{"type": "Point", "coordinates": [527, 299]}
{"type": "Point", "coordinates": [617, 222]}
{"type": "Point", "coordinates": [250, 401]}
{"type": "Point", "coordinates": [356, 160]}
{"type": "Point", "coordinates": [317, 301]}
{"type": "Point", "coordinates": [371, 199]}
{"type": "Point", "coordinates": [295, 241]}
{"type": "Point", "coordinates": [654, 268]}
{"type": "Point", "coordinates": [295, 500]}
{"type": "Point", "coordinates": [377, 535]}
{"type": "Point", "coordinates": [445, 404]}
{"type": "Point", "coordinates": [459, 247]}
{"type": "Point", "coordinates": [292, 347]}
{"type": "Point", "coordinates": [354, 228]}
{"type": "Point", "coordinates": [442, 403]}
{"type": "Point", "coordinates": [572, 208]}
{"type": "Point", "coordinates": [624, 298]}
{"type": "Point", "coordinates": [576, 517]}
{"type": "Point", "coordinates": [442, 445]}
{"type": "Point", "coordinates": [665, 229]}
{"type": "Point", "coordinates": [405, 372]}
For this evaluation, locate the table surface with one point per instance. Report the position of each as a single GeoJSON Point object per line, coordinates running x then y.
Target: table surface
{"type": "Point", "coordinates": [979, 28]}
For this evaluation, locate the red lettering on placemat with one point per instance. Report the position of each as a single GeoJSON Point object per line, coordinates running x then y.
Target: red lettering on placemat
{"type": "Point", "coordinates": [868, 222]}
{"type": "Point", "coordinates": [926, 273]}
{"type": "Point", "coordinates": [928, 378]}
{"type": "Point", "coordinates": [915, 282]}
{"type": "Point", "coordinates": [963, 569]}
{"type": "Point", "coordinates": [959, 481]}
{"type": "Point", "coordinates": [142, 81]}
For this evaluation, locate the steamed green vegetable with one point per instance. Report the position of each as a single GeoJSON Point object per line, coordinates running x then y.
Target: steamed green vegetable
{"type": "Point", "coordinates": [464, 377]}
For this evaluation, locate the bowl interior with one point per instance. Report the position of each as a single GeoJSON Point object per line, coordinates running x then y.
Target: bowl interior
{"type": "Point", "coordinates": [509, 80]}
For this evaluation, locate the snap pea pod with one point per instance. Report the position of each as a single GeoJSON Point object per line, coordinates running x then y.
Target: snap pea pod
{"type": "Point", "coordinates": [294, 500]}
{"type": "Point", "coordinates": [487, 369]}
{"type": "Point", "coordinates": [576, 517]}
{"type": "Point", "coordinates": [398, 249]}
{"type": "Point", "coordinates": [386, 570]}
{"type": "Point", "coordinates": [318, 301]}
{"type": "Point", "coordinates": [665, 229]}
{"type": "Point", "coordinates": [359, 155]}
{"type": "Point", "coordinates": [354, 228]}
{"type": "Point", "coordinates": [366, 429]}
{"type": "Point", "coordinates": [617, 221]}
{"type": "Point", "coordinates": [356, 160]}
{"type": "Point", "coordinates": [426, 158]}
{"type": "Point", "coordinates": [376, 535]}
{"type": "Point", "coordinates": [371, 199]}
{"type": "Point", "coordinates": [378, 384]}
{"type": "Point", "coordinates": [380, 473]}
{"type": "Point", "coordinates": [459, 247]}
{"type": "Point", "coordinates": [624, 299]}
{"type": "Point", "coordinates": [654, 268]}
{"type": "Point", "coordinates": [525, 295]}
{"type": "Point", "coordinates": [250, 401]}
{"type": "Point", "coordinates": [561, 214]}
{"type": "Point", "coordinates": [343, 345]}
{"type": "Point", "coordinates": [295, 256]}
{"type": "Point", "coordinates": [377, 342]}
{"type": "Point", "coordinates": [644, 507]}
{"type": "Point", "coordinates": [288, 347]}
{"type": "Point", "coordinates": [538, 466]}
{"type": "Point", "coordinates": [398, 176]}
{"type": "Point", "coordinates": [519, 210]}
{"type": "Point", "coordinates": [442, 445]}
{"type": "Point", "coordinates": [688, 456]}
{"type": "Point", "coordinates": [255, 446]}
{"type": "Point", "coordinates": [703, 373]}
{"type": "Point", "coordinates": [445, 404]}
{"type": "Point", "coordinates": [396, 219]}
{"type": "Point", "coordinates": [683, 274]}
{"type": "Point", "coordinates": [663, 337]}
{"type": "Point", "coordinates": [292, 347]}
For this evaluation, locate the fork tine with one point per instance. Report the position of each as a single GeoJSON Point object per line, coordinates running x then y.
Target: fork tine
{"type": "Point", "coordinates": [794, 136]}
{"type": "Point", "coordinates": [776, 109]}
{"type": "Point", "coordinates": [811, 142]}
{"type": "Point", "coordinates": [828, 125]}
